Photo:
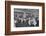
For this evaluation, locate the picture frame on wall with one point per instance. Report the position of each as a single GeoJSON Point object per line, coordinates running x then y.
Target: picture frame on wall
{"type": "Point", "coordinates": [24, 17]}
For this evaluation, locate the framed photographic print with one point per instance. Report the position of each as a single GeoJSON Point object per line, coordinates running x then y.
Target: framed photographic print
{"type": "Point", "coordinates": [24, 17]}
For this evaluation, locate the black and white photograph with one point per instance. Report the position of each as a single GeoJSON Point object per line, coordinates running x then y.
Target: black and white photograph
{"type": "Point", "coordinates": [26, 17]}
